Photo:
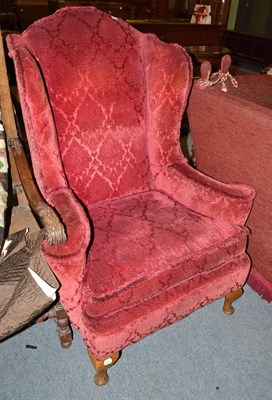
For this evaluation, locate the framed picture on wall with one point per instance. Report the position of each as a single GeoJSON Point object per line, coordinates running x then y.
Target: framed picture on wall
{"type": "Point", "coordinates": [201, 15]}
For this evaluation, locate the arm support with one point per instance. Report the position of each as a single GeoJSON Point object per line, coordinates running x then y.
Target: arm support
{"type": "Point", "coordinates": [76, 224]}
{"type": "Point", "coordinates": [55, 232]}
{"type": "Point", "coordinates": [205, 195]}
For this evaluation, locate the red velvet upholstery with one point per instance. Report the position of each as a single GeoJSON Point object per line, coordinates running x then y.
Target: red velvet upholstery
{"type": "Point", "coordinates": [158, 238]}
{"type": "Point", "coordinates": [149, 238]}
{"type": "Point", "coordinates": [240, 153]}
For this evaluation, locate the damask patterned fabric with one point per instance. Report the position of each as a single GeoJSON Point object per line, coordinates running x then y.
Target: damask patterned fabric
{"type": "Point", "coordinates": [149, 238]}
{"type": "Point", "coordinates": [104, 335]}
{"type": "Point", "coordinates": [109, 100]}
{"type": "Point", "coordinates": [143, 245]}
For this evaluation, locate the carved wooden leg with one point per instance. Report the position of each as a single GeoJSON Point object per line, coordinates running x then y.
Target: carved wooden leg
{"type": "Point", "coordinates": [229, 299]}
{"type": "Point", "coordinates": [101, 377]}
{"type": "Point", "coordinates": [63, 323]}
{"type": "Point", "coordinates": [60, 316]}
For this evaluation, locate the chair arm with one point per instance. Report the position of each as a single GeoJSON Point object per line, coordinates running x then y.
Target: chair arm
{"type": "Point", "coordinates": [229, 202]}
{"type": "Point", "coordinates": [68, 260]}
{"type": "Point", "coordinates": [55, 232]}
{"type": "Point", "coordinates": [75, 221]}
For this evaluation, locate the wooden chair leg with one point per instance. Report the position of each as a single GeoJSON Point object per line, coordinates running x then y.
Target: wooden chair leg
{"type": "Point", "coordinates": [101, 377]}
{"type": "Point", "coordinates": [229, 299]}
{"type": "Point", "coordinates": [60, 316]}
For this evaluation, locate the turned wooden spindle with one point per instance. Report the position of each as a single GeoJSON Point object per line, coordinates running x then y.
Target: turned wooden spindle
{"type": "Point", "coordinates": [60, 316]}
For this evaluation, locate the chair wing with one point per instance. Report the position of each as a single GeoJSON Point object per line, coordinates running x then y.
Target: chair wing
{"type": "Point", "coordinates": [149, 239]}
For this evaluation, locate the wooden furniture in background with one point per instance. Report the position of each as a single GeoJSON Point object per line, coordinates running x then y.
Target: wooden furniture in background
{"type": "Point", "coordinates": [182, 33]}
{"type": "Point", "coordinates": [8, 14]}
{"type": "Point", "coordinates": [30, 10]}
{"type": "Point", "coordinates": [249, 47]}
{"type": "Point", "coordinates": [250, 40]}
{"type": "Point", "coordinates": [169, 20]}
{"type": "Point", "coordinates": [213, 54]}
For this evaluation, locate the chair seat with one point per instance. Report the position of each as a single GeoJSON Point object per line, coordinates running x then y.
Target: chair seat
{"type": "Point", "coordinates": [147, 243]}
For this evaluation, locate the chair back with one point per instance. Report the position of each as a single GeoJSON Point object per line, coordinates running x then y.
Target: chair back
{"type": "Point", "coordinates": [102, 97]}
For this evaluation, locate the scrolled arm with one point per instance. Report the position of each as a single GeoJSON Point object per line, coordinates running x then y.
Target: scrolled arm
{"type": "Point", "coordinates": [55, 232]}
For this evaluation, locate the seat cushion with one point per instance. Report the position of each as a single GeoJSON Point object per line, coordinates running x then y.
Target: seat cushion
{"type": "Point", "coordinates": [105, 335]}
{"type": "Point", "coordinates": [147, 243]}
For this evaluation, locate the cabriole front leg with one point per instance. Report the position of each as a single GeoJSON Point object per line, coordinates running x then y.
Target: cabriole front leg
{"type": "Point", "coordinates": [101, 366]}
{"type": "Point", "coordinates": [229, 299]}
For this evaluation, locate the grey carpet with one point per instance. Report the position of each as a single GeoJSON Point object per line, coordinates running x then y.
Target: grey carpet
{"type": "Point", "coordinates": [206, 356]}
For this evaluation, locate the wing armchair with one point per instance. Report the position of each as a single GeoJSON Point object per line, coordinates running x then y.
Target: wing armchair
{"type": "Point", "coordinates": [149, 239]}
